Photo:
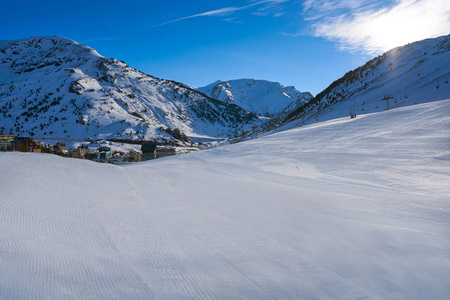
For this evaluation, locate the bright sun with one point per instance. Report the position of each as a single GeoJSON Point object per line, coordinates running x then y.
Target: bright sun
{"type": "Point", "coordinates": [404, 23]}
{"type": "Point", "coordinates": [376, 31]}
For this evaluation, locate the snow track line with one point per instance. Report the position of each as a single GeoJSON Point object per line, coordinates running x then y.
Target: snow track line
{"type": "Point", "coordinates": [277, 241]}
{"type": "Point", "coordinates": [237, 222]}
{"type": "Point", "coordinates": [228, 263]}
{"type": "Point", "coordinates": [173, 268]}
{"type": "Point", "coordinates": [231, 293]}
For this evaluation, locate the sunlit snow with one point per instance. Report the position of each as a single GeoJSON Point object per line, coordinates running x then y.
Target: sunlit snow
{"type": "Point", "coordinates": [345, 209]}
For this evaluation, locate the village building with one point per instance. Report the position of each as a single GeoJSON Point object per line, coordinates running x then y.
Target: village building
{"type": "Point", "coordinates": [104, 154]}
{"type": "Point", "coordinates": [103, 149]}
{"type": "Point", "coordinates": [137, 157]}
{"type": "Point", "coordinates": [62, 146]}
{"type": "Point", "coordinates": [57, 150]}
{"type": "Point", "coordinates": [132, 156]}
{"type": "Point", "coordinates": [163, 152]}
{"type": "Point", "coordinates": [25, 144]}
{"type": "Point", "coordinates": [83, 150]}
{"type": "Point", "coordinates": [148, 151]}
{"type": "Point", "coordinates": [36, 150]}
{"type": "Point", "coordinates": [79, 152]}
{"type": "Point", "coordinates": [5, 141]}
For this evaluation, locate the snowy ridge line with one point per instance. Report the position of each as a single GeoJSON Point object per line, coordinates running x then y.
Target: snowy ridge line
{"type": "Point", "coordinates": [265, 98]}
{"type": "Point", "coordinates": [411, 74]}
{"type": "Point", "coordinates": [54, 87]}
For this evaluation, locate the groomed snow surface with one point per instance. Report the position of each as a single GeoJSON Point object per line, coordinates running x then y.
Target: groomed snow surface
{"type": "Point", "coordinates": [344, 209]}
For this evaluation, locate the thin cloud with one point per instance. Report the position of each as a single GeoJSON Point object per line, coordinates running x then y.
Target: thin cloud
{"type": "Point", "coordinates": [333, 5]}
{"type": "Point", "coordinates": [267, 6]}
{"type": "Point", "coordinates": [272, 7]}
{"type": "Point", "coordinates": [371, 27]}
{"type": "Point", "coordinates": [217, 12]}
{"type": "Point", "coordinates": [221, 12]}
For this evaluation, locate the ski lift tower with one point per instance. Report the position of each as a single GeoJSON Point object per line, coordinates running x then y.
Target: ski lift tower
{"type": "Point", "coordinates": [386, 98]}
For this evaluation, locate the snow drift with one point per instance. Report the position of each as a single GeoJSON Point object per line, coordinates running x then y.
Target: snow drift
{"type": "Point", "coordinates": [345, 209]}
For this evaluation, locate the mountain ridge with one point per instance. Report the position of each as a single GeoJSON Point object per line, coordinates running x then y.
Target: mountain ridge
{"type": "Point", "coordinates": [263, 97]}
{"type": "Point", "coordinates": [414, 73]}
{"type": "Point", "coordinates": [55, 86]}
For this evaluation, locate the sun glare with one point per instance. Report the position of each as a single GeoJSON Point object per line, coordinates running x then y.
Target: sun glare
{"type": "Point", "coordinates": [403, 24]}
{"type": "Point", "coordinates": [387, 28]}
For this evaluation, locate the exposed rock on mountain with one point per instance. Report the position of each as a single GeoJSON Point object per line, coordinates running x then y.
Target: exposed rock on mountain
{"type": "Point", "coordinates": [262, 97]}
{"type": "Point", "coordinates": [55, 87]}
{"type": "Point", "coordinates": [414, 73]}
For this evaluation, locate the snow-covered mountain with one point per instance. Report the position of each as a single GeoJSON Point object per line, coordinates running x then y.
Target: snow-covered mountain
{"type": "Point", "coordinates": [53, 86]}
{"type": "Point", "coordinates": [262, 97]}
{"type": "Point", "coordinates": [415, 73]}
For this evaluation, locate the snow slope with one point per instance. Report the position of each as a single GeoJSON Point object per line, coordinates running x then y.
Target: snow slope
{"type": "Point", "coordinates": [53, 87]}
{"type": "Point", "coordinates": [261, 97]}
{"type": "Point", "coordinates": [415, 73]}
{"type": "Point", "coordinates": [344, 209]}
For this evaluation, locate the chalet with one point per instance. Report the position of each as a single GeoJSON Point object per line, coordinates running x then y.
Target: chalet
{"type": "Point", "coordinates": [148, 151]}
{"type": "Point", "coordinates": [104, 154]}
{"type": "Point", "coordinates": [5, 141]}
{"type": "Point", "coordinates": [62, 146]}
{"type": "Point", "coordinates": [163, 152]}
{"type": "Point", "coordinates": [79, 152]}
{"type": "Point", "coordinates": [37, 149]}
{"type": "Point", "coordinates": [25, 144]}
{"type": "Point", "coordinates": [74, 153]}
{"type": "Point", "coordinates": [132, 156]}
{"type": "Point", "coordinates": [83, 150]}
{"type": "Point", "coordinates": [103, 149]}
{"type": "Point", "coordinates": [57, 150]}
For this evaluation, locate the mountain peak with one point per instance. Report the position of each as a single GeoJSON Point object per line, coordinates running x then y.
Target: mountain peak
{"type": "Point", "coordinates": [51, 45]}
{"type": "Point", "coordinates": [406, 75]}
{"type": "Point", "coordinates": [263, 97]}
{"type": "Point", "coordinates": [53, 86]}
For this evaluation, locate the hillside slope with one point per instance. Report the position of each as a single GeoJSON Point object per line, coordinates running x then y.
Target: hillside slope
{"type": "Point", "coordinates": [415, 73]}
{"type": "Point", "coordinates": [261, 97]}
{"type": "Point", "coordinates": [52, 86]}
{"type": "Point", "coordinates": [344, 209]}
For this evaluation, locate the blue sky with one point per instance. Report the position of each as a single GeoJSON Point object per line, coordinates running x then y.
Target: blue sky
{"type": "Point", "coordinates": [305, 43]}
